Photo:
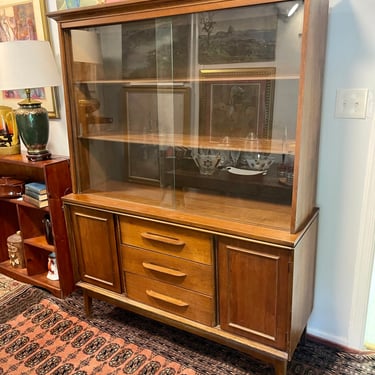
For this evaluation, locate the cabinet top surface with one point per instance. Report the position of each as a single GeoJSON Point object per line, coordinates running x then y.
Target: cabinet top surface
{"type": "Point", "coordinates": [195, 211]}
{"type": "Point", "coordinates": [21, 159]}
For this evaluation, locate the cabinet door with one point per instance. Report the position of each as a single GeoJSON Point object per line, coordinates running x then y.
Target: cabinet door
{"type": "Point", "coordinates": [95, 247]}
{"type": "Point", "coordinates": [254, 285]}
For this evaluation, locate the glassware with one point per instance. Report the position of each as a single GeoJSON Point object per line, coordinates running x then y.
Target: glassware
{"type": "Point", "coordinates": [234, 156]}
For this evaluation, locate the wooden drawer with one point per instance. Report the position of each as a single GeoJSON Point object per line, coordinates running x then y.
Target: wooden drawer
{"type": "Point", "coordinates": [173, 270]}
{"type": "Point", "coordinates": [170, 298]}
{"type": "Point", "coordinates": [168, 239]}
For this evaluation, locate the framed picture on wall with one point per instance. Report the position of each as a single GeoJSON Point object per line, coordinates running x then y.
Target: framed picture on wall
{"type": "Point", "coordinates": [26, 20]}
{"type": "Point", "coordinates": [65, 4]}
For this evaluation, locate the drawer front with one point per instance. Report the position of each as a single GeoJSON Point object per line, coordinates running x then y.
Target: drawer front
{"type": "Point", "coordinates": [166, 268]}
{"type": "Point", "coordinates": [170, 298]}
{"type": "Point", "coordinates": [168, 239]}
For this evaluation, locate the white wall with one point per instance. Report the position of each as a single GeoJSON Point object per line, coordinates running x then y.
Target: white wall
{"type": "Point", "coordinates": [58, 139]}
{"type": "Point", "coordinates": [346, 177]}
{"type": "Point", "coordinates": [345, 245]}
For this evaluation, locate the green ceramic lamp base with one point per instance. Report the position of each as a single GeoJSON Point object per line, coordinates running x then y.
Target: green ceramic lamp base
{"type": "Point", "coordinates": [33, 127]}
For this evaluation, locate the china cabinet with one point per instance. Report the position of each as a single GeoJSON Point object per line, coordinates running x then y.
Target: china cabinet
{"type": "Point", "coordinates": [193, 131]}
{"type": "Point", "coordinates": [18, 215]}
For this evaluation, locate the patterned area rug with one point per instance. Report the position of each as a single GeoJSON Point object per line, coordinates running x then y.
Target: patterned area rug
{"type": "Point", "coordinates": [9, 288]}
{"type": "Point", "coordinates": [46, 340]}
{"type": "Point", "coordinates": [208, 358]}
{"type": "Point", "coordinates": [172, 346]}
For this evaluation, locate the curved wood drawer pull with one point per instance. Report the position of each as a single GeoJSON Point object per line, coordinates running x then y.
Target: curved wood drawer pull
{"type": "Point", "coordinates": [161, 269]}
{"type": "Point", "coordinates": [164, 239]}
{"type": "Point", "coordinates": [164, 298]}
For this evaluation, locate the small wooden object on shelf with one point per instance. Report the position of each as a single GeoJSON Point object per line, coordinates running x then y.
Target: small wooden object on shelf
{"type": "Point", "coordinates": [15, 250]}
{"type": "Point", "coordinates": [17, 214]}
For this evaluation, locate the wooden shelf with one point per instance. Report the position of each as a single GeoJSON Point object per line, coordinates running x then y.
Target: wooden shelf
{"type": "Point", "coordinates": [39, 280]}
{"type": "Point", "coordinates": [187, 81]}
{"type": "Point", "coordinates": [18, 215]}
{"type": "Point", "coordinates": [39, 242]}
{"type": "Point", "coordinates": [274, 146]}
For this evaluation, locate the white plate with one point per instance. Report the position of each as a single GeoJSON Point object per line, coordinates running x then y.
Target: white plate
{"type": "Point", "coordinates": [243, 172]}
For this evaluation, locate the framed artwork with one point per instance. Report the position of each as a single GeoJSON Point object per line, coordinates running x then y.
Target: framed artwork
{"type": "Point", "coordinates": [66, 4]}
{"type": "Point", "coordinates": [157, 48]}
{"type": "Point", "coordinates": [152, 112]}
{"type": "Point", "coordinates": [237, 102]}
{"type": "Point", "coordinates": [26, 20]}
{"type": "Point", "coordinates": [243, 35]}
{"type": "Point", "coordinates": [157, 110]}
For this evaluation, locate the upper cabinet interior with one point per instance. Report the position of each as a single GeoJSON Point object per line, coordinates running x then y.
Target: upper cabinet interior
{"type": "Point", "coordinates": [197, 106]}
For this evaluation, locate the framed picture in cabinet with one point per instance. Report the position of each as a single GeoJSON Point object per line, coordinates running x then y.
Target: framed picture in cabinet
{"type": "Point", "coordinates": [160, 111]}
{"type": "Point", "coordinates": [237, 103]}
{"type": "Point", "coordinates": [144, 163]}
{"type": "Point", "coordinates": [157, 48]}
{"type": "Point", "coordinates": [26, 20]}
{"type": "Point", "coordinates": [153, 116]}
{"type": "Point", "coordinates": [242, 35]}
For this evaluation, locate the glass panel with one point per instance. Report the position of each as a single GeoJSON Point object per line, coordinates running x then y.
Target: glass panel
{"type": "Point", "coordinates": [194, 108]}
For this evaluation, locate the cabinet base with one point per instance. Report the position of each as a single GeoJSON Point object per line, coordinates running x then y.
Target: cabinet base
{"type": "Point", "coordinates": [278, 359]}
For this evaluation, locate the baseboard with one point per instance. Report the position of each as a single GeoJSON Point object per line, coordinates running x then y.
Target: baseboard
{"type": "Point", "coordinates": [324, 336]}
{"type": "Point", "coordinates": [336, 345]}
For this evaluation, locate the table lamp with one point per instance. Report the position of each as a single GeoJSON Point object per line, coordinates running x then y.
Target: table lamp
{"type": "Point", "coordinates": [25, 65]}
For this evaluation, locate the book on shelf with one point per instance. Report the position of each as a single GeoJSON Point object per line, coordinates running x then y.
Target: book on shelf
{"type": "Point", "coordinates": [35, 202]}
{"type": "Point", "coordinates": [36, 187]}
{"type": "Point", "coordinates": [33, 194]}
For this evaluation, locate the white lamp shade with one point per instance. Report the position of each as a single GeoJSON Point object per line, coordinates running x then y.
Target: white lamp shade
{"type": "Point", "coordinates": [27, 64]}
{"type": "Point", "coordinates": [86, 47]}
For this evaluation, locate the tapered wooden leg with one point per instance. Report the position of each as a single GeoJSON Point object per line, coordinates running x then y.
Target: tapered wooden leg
{"type": "Point", "coordinates": [280, 367]}
{"type": "Point", "coordinates": [87, 299]}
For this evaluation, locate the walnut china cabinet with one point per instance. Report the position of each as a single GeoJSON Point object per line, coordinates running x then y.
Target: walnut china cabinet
{"type": "Point", "coordinates": [194, 129]}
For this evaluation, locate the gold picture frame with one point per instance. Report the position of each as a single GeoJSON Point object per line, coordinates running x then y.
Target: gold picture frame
{"type": "Point", "coordinates": [237, 102]}
{"type": "Point", "coordinates": [25, 20]}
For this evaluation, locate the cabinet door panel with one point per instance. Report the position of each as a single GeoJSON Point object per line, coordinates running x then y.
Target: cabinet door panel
{"type": "Point", "coordinates": [95, 246]}
{"type": "Point", "coordinates": [253, 291]}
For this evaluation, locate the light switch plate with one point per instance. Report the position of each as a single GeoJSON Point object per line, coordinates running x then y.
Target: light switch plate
{"type": "Point", "coordinates": [351, 103]}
